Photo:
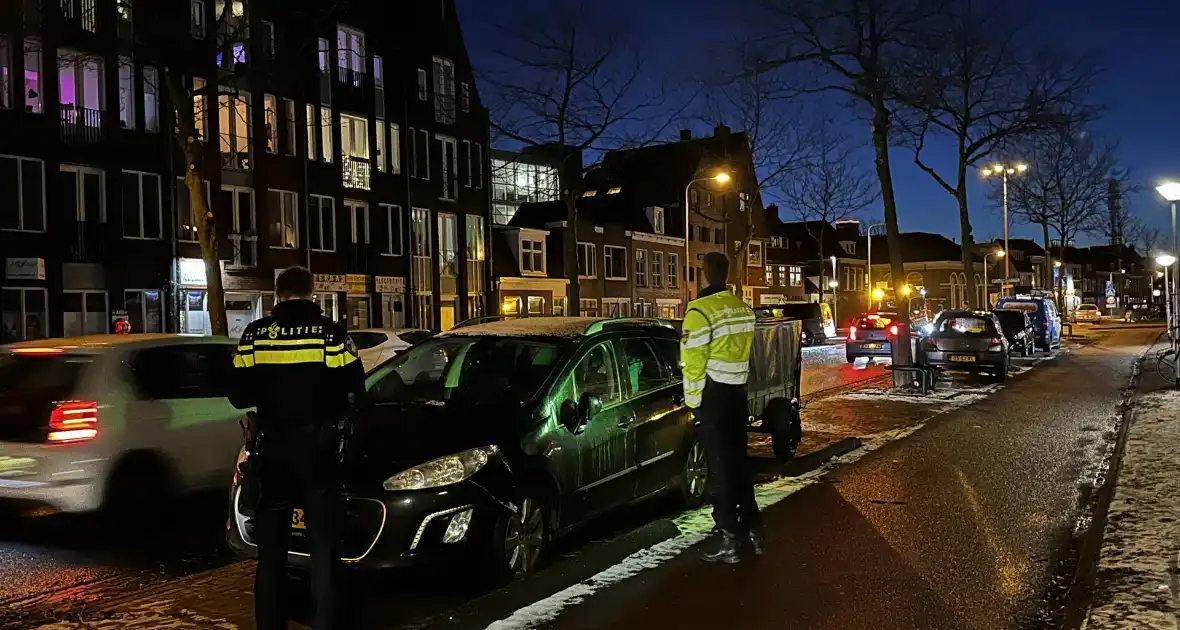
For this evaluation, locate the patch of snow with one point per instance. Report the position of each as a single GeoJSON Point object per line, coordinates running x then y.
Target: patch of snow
{"type": "Point", "coordinates": [158, 615]}
{"type": "Point", "coordinates": [528, 327]}
{"type": "Point", "coordinates": [1134, 586]}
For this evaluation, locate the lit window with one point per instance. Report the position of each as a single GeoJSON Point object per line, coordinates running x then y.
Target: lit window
{"type": "Point", "coordinates": [395, 148]}
{"type": "Point", "coordinates": [326, 134]}
{"type": "Point", "coordinates": [270, 112]}
{"type": "Point", "coordinates": [126, 93]}
{"type": "Point", "coordinates": [199, 122]}
{"type": "Point", "coordinates": [532, 256]}
{"type": "Point", "coordinates": [641, 267]}
{"type": "Point", "coordinates": [151, 99]}
{"type": "Point", "coordinates": [311, 131]}
{"type": "Point", "coordinates": [590, 193]}
{"type": "Point", "coordinates": [33, 103]}
{"type": "Point", "coordinates": [614, 191]}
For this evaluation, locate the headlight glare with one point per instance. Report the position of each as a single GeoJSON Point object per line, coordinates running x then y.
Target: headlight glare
{"type": "Point", "coordinates": [443, 471]}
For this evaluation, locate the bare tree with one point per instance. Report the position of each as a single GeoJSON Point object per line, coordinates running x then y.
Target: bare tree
{"type": "Point", "coordinates": [567, 78]}
{"type": "Point", "coordinates": [983, 89]}
{"type": "Point", "coordinates": [1067, 188]}
{"type": "Point", "coordinates": [830, 187]}
{"type": "Point", "coordinates": [859, 49]}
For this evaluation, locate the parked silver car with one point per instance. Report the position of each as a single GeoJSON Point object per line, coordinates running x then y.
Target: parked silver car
{"type": "Point", "coordinates": [970, 341]}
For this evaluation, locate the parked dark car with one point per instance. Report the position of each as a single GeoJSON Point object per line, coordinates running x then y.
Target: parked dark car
{"type": "Point", "coordinates": [871, 335]}
{"type": "Point", "coordinates": [816, 328]}
{"type": "Point", "coordinates": [970, 341]}
{"type": "Point", "coordinates": [1044, 315]}
{"type": "Point", "coordinates": [484, 443]}
{"type": "Point", "coordinates": [1018, 329]}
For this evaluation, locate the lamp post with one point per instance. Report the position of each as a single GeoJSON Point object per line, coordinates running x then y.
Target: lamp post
{"type": "Point", "coordinates": [1170, 191]}
{"type": "Point", "coordinates": [835, 318]}
{"type": "Point", "coordinates": [721, 178]}
{"type": "Point", "coordinates": [869, 262]}
{"type": "Point", "coordinates": [1003, 171]}
{"type": "Point", "coordinates": [987, 295]}
{"type": "Point", "coordinates": [1166, 261]}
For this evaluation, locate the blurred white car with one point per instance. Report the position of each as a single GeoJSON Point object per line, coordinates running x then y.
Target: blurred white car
{"type": "Point", "coordinates": [1087, 313]}
{"type": "Point", "coordinates": [376, 345]}
{"type": "Point", "coordinates": [122, 420]}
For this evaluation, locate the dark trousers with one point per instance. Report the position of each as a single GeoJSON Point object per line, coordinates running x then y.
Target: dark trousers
{"type": "Point", "coordinates": [721, 425]}
{"type": "Point", "coordinates": [294, 471]}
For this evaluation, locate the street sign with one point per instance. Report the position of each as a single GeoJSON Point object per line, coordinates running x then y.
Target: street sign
{"type": "Point", "coordinates": [1110, 300]}
{"type": "Point", "coordinates": [1110, 289]}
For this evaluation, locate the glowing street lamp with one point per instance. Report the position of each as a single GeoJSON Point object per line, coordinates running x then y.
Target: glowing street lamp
{"type": "Point", "coordinates": [721, 177]}
{"type": "Point", "coordinates": [1003, 171]}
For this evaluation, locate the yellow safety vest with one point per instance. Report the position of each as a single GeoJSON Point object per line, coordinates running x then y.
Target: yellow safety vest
{"type": "Point", "coordinates": [715, 343]}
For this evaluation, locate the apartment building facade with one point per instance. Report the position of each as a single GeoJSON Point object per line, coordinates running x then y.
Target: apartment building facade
{"type": "Point", "coordinates": [361, 155]}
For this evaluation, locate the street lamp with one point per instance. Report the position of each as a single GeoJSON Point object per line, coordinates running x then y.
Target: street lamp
{"type": "Point", "coordinates": [1166, 261]}
{"type": "Point", "coordinates": [986, 287]}
{"type": "Point", "coordinates": [878, 295]}
{"type": "Point", "coordinates": [869, 263]}
{"type": "Point", "coordinates": [720, 177]}
{"type": "Point", "coordinates": [1003, 171]}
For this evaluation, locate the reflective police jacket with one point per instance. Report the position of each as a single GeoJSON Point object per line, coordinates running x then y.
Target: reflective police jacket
{"type": "Point", "coordinates": [715, 342]}
{"type": "Point", "coordinates": [297, 367]}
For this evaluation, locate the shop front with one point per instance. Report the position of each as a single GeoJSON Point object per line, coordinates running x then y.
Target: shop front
{"type": "Point", "coordinates": [85, 301]}
{"type": "Point", "coordinates": [532, 297]}
{"type": "Point", "coordinates": [24, 300]}
{"type": "Point", "coordinates": [328, 287]}
{"type": "Point", "coordinates": [243, 299]}
{"type": "Point", "coordinates": [360, 308]}
{"type": "Point", "coordinates": [392, 293]}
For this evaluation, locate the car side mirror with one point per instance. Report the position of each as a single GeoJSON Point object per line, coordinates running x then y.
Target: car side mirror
{"type": "Point", "coordinates": [574, 416]}
{"type": "Point", "coordinates": [569, 417]}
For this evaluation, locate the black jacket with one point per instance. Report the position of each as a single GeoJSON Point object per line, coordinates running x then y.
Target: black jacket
{"type": "Point", "coordinates": [296, 367]}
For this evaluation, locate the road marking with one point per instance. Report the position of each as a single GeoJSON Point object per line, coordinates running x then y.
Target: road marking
{"type": "Point", "coordinates": [694, 526]}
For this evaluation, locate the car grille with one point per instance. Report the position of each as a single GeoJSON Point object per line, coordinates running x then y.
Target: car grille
{"type": "Point", "coordinates": [362, 524]}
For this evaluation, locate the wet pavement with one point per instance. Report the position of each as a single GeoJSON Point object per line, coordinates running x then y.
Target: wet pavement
{"type": "Point", "coordinates": [952, 511]}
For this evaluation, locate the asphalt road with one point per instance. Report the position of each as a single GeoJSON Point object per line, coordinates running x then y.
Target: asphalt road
{"type": "Point", "coordinates": [974, 522]}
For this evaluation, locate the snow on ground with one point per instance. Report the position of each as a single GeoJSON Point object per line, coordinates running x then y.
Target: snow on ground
{"type": "Point", "coordinates": [151, 616]}
{"type": "Point", "coordinates": [1136, 585]}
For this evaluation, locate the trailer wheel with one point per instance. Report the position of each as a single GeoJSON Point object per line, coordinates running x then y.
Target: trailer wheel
{"type": "Point", "coordinates": [785, 426]}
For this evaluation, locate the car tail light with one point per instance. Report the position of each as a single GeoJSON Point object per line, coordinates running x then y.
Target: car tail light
{"type": "Point", "coordinates": [73, 421]}
{"type": "Point", "coordinates": [931, 344]}
{"type": "Point", "coordinates": [852, 333]}
{"type": "Point", "coordinates": [893, 330]}
{"type": "Point", "coordinates": [36, 351]}
{"type": "Point", "coordinates": [997, 344]}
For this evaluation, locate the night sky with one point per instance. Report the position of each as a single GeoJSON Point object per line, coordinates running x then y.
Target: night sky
{"type": "Point", "coordinates": [1136, 41]}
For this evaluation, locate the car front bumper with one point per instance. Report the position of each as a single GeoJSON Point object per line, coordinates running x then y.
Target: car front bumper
{"type": "Point", "coordinates": [984, 361]}
{"type": "Point", "coordinates": [392, 529]}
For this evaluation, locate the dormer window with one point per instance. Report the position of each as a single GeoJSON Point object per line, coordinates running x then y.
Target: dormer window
{"type": "Point", "coordinates": [532, 255]}
{"type": "Point", "coordinates": [754, 257]}
{"type": "Point", "coordinates": [656, 215]}
{"type": "Point", "coordinates": [590, 193]}
{"type": "Point", "coordinates": [849, 247]}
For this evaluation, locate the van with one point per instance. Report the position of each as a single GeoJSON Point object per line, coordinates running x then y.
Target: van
{"type": "Point", "coordinates": [1044, 315]}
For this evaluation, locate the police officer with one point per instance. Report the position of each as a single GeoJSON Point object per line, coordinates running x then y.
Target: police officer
{"type": "Point", "coordinates": [299, 370]}
{"type": "Point", "coordinates": [715, 344]}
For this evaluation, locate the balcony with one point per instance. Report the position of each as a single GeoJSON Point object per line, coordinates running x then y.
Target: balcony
{"type": "Point", "coordinates": [88, 242]}
{"type": "Point", "coordinates": [235, 161]}
{"type": "Point", "coordinates": [80, 125]}
{"type": "Point", "coordinates": [360, 260]}
{"type": "Point", "coordinates": [348, 76]}
{"type": "Point", "coordinates": [356, 172]}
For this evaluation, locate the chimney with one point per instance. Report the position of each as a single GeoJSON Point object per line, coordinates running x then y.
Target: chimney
{"type": "Point", "coordinates": [720, 131]}
{"type": "Point", "coordinates": [685, 135]}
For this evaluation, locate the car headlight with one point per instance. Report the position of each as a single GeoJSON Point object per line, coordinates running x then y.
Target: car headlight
{"type": "Point", "coordinates": [443, 471]}
{"type": "Point", "coordinates": [928, 329]}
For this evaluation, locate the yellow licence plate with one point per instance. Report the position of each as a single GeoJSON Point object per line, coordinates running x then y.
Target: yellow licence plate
{"type": "Point", "coordinates": [872, 346]}
{"type": "Point", "coordinates": [962, 358]}
{"type": "Point", "coordinates": [297, 521]}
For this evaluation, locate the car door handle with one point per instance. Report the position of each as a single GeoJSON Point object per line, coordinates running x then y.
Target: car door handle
{"type": "Point", "coordinates": [626, 422]}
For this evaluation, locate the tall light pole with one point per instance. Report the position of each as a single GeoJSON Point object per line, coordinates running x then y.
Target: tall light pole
{"type": "Point", "coordinates": [1170, 191]}
{"type": "Point", "coordinates": [1003, 171]}
{"type": "Point", "coordinates": [1165, 261]}
{"type": "Point", "coordinates": [721, 178]}
{"type": "Point", "coordinates": [869, 263]}
{"type": "Point", "coordinates": [834, 283]}
{"type": "Point", "coordinates": [987, 295]}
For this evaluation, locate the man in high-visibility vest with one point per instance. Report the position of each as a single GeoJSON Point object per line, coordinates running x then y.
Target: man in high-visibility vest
{"type": "Point", "coordinates": [715, 345]}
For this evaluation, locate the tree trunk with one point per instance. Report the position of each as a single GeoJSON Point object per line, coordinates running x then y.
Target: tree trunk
{"type": "Point", "coordinates": [1048, 258]}
{"type": "Point", "coordinates": [206, 226]}
{"type": "Point", "coordinates": [570, 244]}
{"type": "Point", "coordinates": [968, 247]}
{"type": "Point", "coordinates": [880, 137]}
{"type": "Point", "coordinates": [1060, 289]}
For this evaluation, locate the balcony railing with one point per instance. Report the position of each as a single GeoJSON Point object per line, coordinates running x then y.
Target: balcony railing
{"type": "Point", "coordinates": [348, 76]}
{"type": "Point", "coordinates": [88, 242]}
{"type": "Point", "coordinates": [361, 256]}
{"type": "Point", "coordinates": [356, 172]}
{"type": "Point", "coordinates": [235, 161]}
{"type": "Point", "coordinates": [80, 125]}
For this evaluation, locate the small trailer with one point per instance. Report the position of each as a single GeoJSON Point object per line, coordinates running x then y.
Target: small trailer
{"type": "Point", "coordinates": [776, 364]}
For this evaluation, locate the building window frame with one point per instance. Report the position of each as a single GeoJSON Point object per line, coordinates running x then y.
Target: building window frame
{"type": "Point", "coordinates": [533, 250]}
{"type": "Point", "coordinates": [79, 173]}
{"type": "Point", "coordinates": [103, 315]}
{"type": "Point", "coordinates": [586, 260]}
{"type": "Point", "coordinates": [322, 206]}
{"type": "Point", "coordinates": [393, 229]}
{"type": "Point", "coordinates": [142, 236]}
{"type": "Point", "coordinates": [22, 324]}
{"type": "Point", "coordinates": [182, 222]}
{"type": "Point", "coordinates": [359, 226]}
{"type": "Point", "coordinates": [286, 215]}
{"type": "Point", "coordinates": [610, 255]}
{"type": "Point", "coordinates": [640, 267]}
{"type": "Point", "coordinates": [673, 270]}
{"type": "Point", "coordinates": [448, 245]}
{"type": "Point", "coordinates": [657, 269]}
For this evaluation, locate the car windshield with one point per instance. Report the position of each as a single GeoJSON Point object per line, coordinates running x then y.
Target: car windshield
{"type": "Point", "coordinates": [966, 325]}
{"type": "Point", "coordinates": [367, 339]}
{"type": "Point", "coordinates": [1087, 307]}
{"type": "Point", "coordinates": [876, 321]}
{"type": "Point", "coordinates": [466, 368]}
{"type": "Point", "coordinates": [1011, 320]}
{"type": "Point", "coordinates": [52, 377]}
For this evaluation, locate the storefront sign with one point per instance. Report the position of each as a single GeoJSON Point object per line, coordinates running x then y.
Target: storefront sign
{"type": "Point", "coordinates": [191, 272]}
{"type": "Point", "coordinates": [24, 268]}
{"type": "Point", "coordinates": [243, 282]}
{"type": "Point", "coordinates": [390, 284]}
{"type": "Point", "coordinates": [358, 284]}
{"type": "Point", "coordinates": [330, 283]}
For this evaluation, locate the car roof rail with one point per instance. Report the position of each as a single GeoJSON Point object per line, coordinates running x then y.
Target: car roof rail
{"type": "Point", "coordinates": [605, 325]}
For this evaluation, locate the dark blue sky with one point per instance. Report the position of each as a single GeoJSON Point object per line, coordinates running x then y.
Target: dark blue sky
{"type": "Point", "coordinates": [1136, 40]}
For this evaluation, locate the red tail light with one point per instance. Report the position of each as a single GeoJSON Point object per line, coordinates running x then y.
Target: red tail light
{"type": "Point", "coordinates": [73, 421]}
{"type": "Point", "coordinates": [852, 333]}
{"type": "Point", "coordinates": [893, 330]}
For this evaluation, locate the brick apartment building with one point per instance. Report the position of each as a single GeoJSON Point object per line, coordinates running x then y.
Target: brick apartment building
{"type": "Point", "coordinates": [358, 152]}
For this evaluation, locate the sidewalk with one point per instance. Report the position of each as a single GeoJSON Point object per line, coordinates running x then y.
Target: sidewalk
{"type": "Point", "coordinates": [1136, 581]}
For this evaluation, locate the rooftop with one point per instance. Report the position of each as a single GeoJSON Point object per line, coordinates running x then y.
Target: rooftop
{"type": "Point", "coordinates": [100, 342]}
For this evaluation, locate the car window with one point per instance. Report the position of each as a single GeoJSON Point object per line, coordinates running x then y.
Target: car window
{"type": "Point", "coordinates": [414, 337]}
{"type": "Point", "coordinates": [179, 372]}
{"type": "Point", "coordinates": [596, 374]}
{"type": "Point", "coordinates": [367, 339]}
{"type": "Point", "coordinates": [876, 321]}
{"type": "Point", "coordinates": [669, 350]}
{"type": "Point", "coordinates": [1027, 307]}
{"type": "Point", "coordinates": [642, 369]}
{"type": "Point", "coordinates": [44, 377]}
{"type": "Point", "coordinates": [468, 368]}
{"type": "Point", "coordinates": [966, 325]}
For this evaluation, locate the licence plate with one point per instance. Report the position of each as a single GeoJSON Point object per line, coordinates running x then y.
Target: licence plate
{"type": "Point", "coordinates": [963, 358]}
{"type": "Point", "coordinates": [873, 346]}
{"type": "Point", "coordinates": [297, 521]}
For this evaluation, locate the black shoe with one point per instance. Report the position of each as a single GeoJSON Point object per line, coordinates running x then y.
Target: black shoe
{"type": "Point", "coordinates": [756, 542]}
{"type": "Point", "coordinates": [725, 549]}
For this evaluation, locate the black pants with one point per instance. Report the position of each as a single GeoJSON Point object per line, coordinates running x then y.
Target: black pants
{"type": "Point", "coordinates": [296, 472]}
{"type": "Point", "coordinates": [721, 425]}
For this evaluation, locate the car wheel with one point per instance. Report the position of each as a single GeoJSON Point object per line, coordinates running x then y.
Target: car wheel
{"type": "Point", "coordinates": [520, 538]}
{"type": "Point", "coordinates": [851, 359]}
{"type": "Point", "coordinates": [785, 426]}
{"type": "Point", "coordinates": [1002, 374]}
{"type": "Point", "coordinates": [694, 476]}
